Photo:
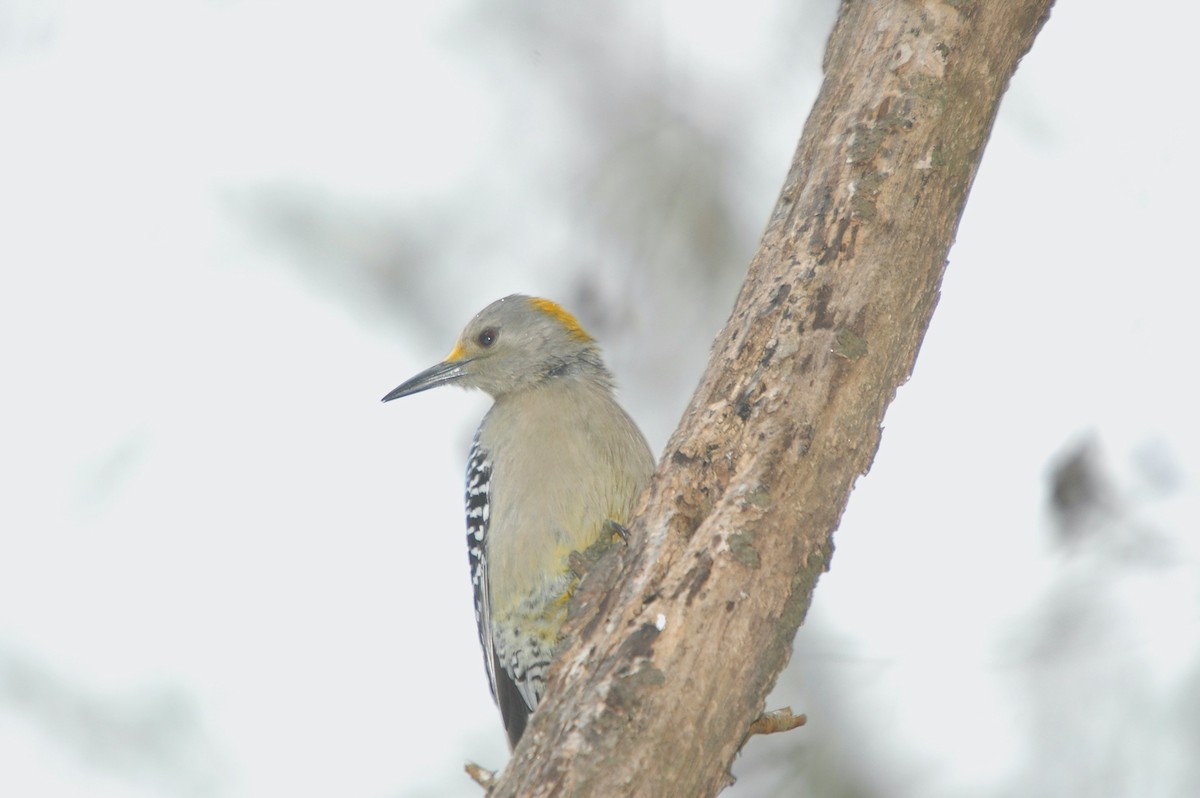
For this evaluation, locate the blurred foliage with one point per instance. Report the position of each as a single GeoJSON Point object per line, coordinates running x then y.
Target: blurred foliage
{"type": "Point", "coordinates": [151, 736]}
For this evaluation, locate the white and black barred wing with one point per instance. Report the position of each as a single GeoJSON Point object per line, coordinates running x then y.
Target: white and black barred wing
{"type": "Point", "coordinates": [514, 709]}
{"type": "Point", "coordinates": [479, 480]}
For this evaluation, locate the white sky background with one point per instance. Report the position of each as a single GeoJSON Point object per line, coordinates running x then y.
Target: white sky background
{"type": "Point", "coordinates": [226, 570]}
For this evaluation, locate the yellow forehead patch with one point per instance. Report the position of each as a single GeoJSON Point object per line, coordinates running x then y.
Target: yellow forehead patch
{"type": "Point", "coordinates": [456, 354]}
{"type": "Point", "coordinates": [556, 312]}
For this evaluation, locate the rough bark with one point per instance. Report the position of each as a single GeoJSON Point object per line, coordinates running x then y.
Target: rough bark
{"type": "Point", "coordinates": [675, 647]}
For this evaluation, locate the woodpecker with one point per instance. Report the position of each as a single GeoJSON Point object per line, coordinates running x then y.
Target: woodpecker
{"type": "Point", "coordinates": [555, 464]}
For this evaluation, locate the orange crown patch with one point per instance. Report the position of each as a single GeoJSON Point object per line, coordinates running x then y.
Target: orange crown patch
{"type": "Point", "coordinates": [556, 312]}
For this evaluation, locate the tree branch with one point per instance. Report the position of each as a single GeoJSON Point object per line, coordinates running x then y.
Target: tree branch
{"type": "Point", "coordinates": [674, 648]}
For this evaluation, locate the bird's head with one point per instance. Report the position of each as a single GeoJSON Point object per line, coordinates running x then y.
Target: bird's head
{"type": "Point", "coordinates": [512, 344]}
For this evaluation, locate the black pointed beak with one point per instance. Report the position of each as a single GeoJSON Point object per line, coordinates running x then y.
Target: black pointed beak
{"type": "Point", "coordinates": [443, 373]}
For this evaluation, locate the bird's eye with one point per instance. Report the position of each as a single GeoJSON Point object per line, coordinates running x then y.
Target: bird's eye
{"type": "Point", "coordinates": [488, 337]}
